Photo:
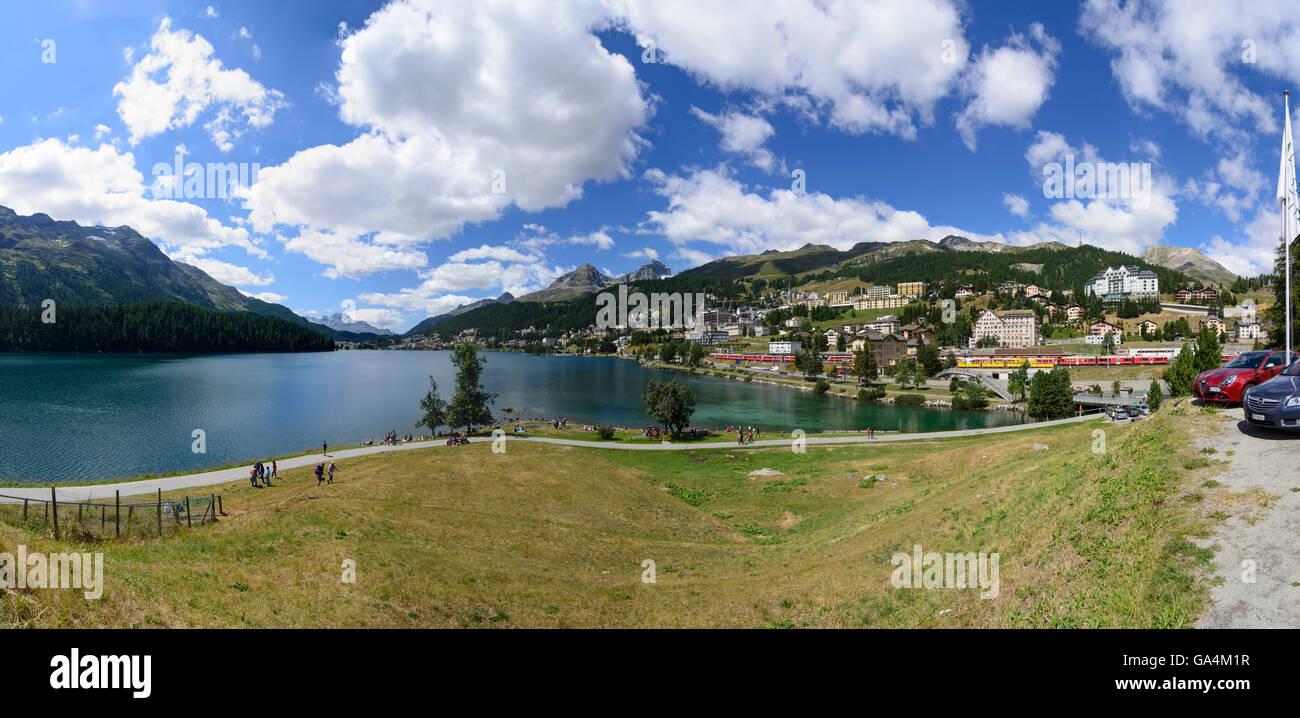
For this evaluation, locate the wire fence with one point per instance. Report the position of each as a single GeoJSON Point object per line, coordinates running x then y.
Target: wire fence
{"type": "Point", "coordinates": [109, 518]}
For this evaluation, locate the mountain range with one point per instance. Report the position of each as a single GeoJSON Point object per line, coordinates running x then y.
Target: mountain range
{"type": "Point", "coordinates": [587, 279]}
{"type": "Point", "coordinates": [1190, 262]}
{"type": "Point", "coordinates": [820, 257]}
{"type": "Point", "coordinates": [434, 321]}
{"type": "Point", "coordinates": [343, 323]}
{"type": "Point", "coordinates": [42, 258]}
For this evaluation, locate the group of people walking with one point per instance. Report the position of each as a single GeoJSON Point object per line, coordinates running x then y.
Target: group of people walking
{"type": "Point", "coordinates": [261, 474]}
{"type": "Point", "coordinates": [323, 474]}
{"type": "Point", "coordinates": [746, 435]}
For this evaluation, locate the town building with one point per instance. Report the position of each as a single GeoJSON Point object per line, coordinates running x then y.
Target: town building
{"type": "Point", "coordinates": [1117, 284]}
{"type": "Point", "coordinates": [783, 347]}
{"type": "Point", "coordinates": [887, 302]}
{"type": "Point", "coordinates": [1104, 328]}
{"type": "Point", "coordinates": [911, 289]}
{"type": "Point", "coordinates": [879, 291]}
{"type": "Point", "coordinates": [887, 348]}
{"type": "Point", "coordinates": [887, 324]}
{"type": "Point", "coordinates": [1214, 324]}
{"type": "Point", "coordinates": [1248, 329]}
{"type": "Point", "coordinates": [1208, 294]}
{"type": "Point", "coordinates": [838, 298]}
{"type": "Point", "coordinates": [1013, 328]}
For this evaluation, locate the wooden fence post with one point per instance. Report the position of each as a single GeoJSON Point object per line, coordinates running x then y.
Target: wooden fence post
{"type": "Point", "coordinates": [117, 514]}
{"type": "Point", "coordinates": [24, 510]}
{"type": "Point", "coordinates": [160, 512]}
{"type": "Point", "coordinates": [54, 501]}
{"type": "Point", "coordinates": [188, 522]}
{"type": "Point", "coordinates": [221, 509]}
{"type": "Point", "coordinates": [103, 517]}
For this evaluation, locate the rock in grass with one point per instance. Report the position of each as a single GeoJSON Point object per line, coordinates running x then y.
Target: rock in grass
{"type": "Point", "coordinates": [1039, 447]}
{"type": "Point", "coordinates": [764, 473]}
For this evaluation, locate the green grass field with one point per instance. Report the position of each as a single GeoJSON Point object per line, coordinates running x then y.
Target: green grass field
{"type": "Point", "coordinates": [548, 536]}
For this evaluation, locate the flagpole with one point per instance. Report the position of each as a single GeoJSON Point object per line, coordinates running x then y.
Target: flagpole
{"type": "Point", "coordinates": [1286, 241]}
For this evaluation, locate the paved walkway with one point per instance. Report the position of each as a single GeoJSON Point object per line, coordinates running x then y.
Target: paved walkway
{"type": "Point", "coordinates": [240, 473]}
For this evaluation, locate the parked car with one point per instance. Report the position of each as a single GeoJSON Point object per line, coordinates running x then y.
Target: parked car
{"type": "Point", "coordinates": [1276, 402]}
{"type": "Point", "coordinates": [1116, 413]}
{"type": "Point", "coordinates": [1227, 383]}
{"type": "Point", "coordinates": [1134, 412]}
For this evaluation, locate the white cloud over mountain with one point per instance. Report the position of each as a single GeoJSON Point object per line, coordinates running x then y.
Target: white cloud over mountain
{"type": "Point", "coordinates": [466, 109]}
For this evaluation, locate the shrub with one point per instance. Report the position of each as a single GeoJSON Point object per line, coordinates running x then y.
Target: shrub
{"type": "Point", "coordinates": [821, 387]}
{"type": "Point", "coordinates": [870, 393]}
{"type": "Point", "coordinates": [909, 400]}
{"type": "Point", "coordinates": [605, 432]}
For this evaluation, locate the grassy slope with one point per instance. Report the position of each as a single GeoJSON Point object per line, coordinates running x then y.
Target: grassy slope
{"type": "Point", "coordinates": [554, 536]}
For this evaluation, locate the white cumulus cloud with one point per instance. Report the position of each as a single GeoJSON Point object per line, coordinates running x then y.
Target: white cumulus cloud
{"type": "Point", "coordinates": [179, 79]}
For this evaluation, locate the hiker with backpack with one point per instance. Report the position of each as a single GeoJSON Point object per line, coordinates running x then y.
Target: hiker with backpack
{"type": "Point", "coordinates": [320, 473]}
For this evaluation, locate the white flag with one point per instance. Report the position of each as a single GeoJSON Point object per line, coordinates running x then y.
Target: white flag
{"type": "Point", "coordinates": [1286, 189]}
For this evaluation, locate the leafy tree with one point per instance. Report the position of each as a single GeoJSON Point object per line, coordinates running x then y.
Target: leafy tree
{"type": "Point", "coordinates": [670, 403]}
{"type": "Point", "coordinates": [864, 365]}
{"type": "Point", "coordinates": [434, 408]}
{"type": "Point", "coordinates": [821, 387]}
{"type": "Point", "coordinates": [927, 356]}
{"type": "Point", "coordinates": [950, 360]}
{"type": "Point", "coordinates": [1018, 380]}
{"type": "Point", "coordinates": [1209, 353]}
{"type": "Point", "coordinates": [1155, 397]}
{"type": "Point", "coordinates": [907, 373]}
{"type": "Point", "coordinates": [1050, 394]}
{"type": "Point", "coordinates": [809, 361]}
{"type": "Point", "coordinates": [469, 405]}
{"type": "Point", "coordinates": [1276, 312]}
{"type": "Point", "coordinates": [1182, 372]}
{"type": "Point", "coordinates": [668, 352]}
{"type": "Point", "coordinates": [695, 354]}
{"type": "Point", "coordinates": [1115, 387]}
{"type": "Point", "coordinates": [987, 342]}
{"type": "Point", "coordinates": [970, 397]}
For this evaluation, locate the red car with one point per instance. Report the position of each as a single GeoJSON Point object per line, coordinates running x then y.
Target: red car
{"type": "Point", "coordinates": [1227, 383]}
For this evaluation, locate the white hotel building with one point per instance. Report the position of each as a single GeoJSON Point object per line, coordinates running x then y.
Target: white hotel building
{"type": "Point", "coordinates": [1118, 284]}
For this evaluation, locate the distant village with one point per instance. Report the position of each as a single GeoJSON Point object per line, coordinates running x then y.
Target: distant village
{"type": "Point", "coordinates": [786, 320]}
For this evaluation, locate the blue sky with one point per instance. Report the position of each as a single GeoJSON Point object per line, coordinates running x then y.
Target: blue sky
{"type": "Point", "coordinates": [406, 157]}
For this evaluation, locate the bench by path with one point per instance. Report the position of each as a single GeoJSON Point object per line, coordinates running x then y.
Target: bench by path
{"type": "Point", "coordinates": [241, 473]}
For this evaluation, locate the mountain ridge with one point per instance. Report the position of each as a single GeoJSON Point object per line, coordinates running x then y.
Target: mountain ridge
{"type": "Point", "coordinates": [43, 258]}
{"type": "Point", "coordinates": [1191, 262]}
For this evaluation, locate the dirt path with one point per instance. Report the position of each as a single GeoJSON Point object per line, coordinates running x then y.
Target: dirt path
{"type": "Point", "coordinates": [1268, 534]}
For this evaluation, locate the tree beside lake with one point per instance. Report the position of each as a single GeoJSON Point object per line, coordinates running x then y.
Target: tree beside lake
{"type": "Point", "coordinates": [469, 405]}
{"type": "Point", "coordinates": [434, 408]}
{"type": "Point", "coordinates": [670, 403]}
